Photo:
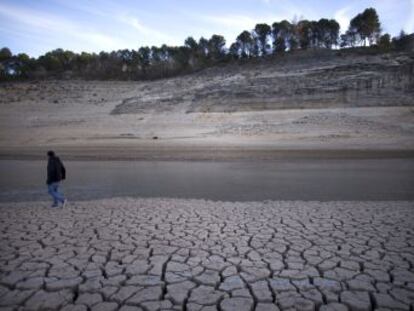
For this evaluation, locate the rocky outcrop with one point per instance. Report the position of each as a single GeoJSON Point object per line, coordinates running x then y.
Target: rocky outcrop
{"type": "Point", "coordinates": [333, 79]}
{"type": "Point", "coordinates": [304, 79]}
{"type": "Point", "coordinates": [359, 84]}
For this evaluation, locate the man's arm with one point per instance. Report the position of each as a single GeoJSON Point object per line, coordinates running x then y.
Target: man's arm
{"type": "Point", "coordinates": [63, 170]}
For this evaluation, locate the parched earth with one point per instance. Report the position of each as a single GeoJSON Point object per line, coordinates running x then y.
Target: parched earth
{"type": "Point", "coordinates": [167, 254]}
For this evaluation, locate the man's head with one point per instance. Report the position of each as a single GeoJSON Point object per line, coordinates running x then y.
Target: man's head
{"type": "Point", "coordinates": [50, 153]}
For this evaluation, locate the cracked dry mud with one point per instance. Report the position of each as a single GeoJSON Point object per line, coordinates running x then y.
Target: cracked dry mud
{"type": "Point", "coordinates": [166, 254]}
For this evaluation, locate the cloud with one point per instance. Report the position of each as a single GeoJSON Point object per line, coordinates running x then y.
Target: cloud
{"type": "Point", "coordinates": [91, 35]}
{"type": "Point", "coordinates": [33, 19]}
{"type": "Point", "coordinates": [113, 11]}
{"type": "Point", "coordinates": [343, 17]}
{"type": "Point", "coordinates": [240, 22]}
{"type": "Point", "coordinates": [48, 26]}
{"type": "Point", "coordinates": [233, 21]}
{"type": "Point", "coordinates": [229, 25]}
{"type": "Point", "coordinates": [247, 20]}
{"type": "Point", "coordinates": [409, 26]}
{"type": "Point", "coordinates": [135, 23]}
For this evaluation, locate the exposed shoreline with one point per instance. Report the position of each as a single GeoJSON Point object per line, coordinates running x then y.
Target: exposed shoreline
{"type": "Point", "coordinates": [204, 153]}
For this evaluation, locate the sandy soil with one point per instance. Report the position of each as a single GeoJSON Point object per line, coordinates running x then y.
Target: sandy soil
{"type": "Point", "coordinates": [151, 254]}
{"type": "Point", "coordinates": [81, 123]}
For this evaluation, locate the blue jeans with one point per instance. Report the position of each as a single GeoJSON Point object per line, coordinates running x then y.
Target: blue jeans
{"type": "Point", "coordinates": [53, 190]}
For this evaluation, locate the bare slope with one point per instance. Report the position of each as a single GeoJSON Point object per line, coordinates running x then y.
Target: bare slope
{"type": "Point", "coordinates": [314, 101]}
{"type": "Point", "coordinates": [319, 79]}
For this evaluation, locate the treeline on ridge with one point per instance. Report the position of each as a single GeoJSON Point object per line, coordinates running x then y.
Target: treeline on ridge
{"type": "Point", "coordinates": [166, 61]}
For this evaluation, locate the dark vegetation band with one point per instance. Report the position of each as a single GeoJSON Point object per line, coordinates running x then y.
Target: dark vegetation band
{"type": "Point", "coordinates": [160, 62]}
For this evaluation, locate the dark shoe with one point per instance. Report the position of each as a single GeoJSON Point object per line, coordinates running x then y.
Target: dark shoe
{"type": "Point", "coordinates": [55, 206]}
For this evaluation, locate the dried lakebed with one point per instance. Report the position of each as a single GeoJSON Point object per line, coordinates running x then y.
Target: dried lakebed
{"type": "Point", "coordinates": [165, 254]}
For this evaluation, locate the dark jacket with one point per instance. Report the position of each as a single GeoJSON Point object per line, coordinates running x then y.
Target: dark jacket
{"type": "Point", "coordinates": [55, 170]}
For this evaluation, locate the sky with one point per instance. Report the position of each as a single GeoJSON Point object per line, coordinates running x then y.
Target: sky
{"type": "Point", "coordinates": [38, 26]}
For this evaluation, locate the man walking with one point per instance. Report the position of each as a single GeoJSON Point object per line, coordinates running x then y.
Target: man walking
{"type": "Point", "coordinates": [55, 173]}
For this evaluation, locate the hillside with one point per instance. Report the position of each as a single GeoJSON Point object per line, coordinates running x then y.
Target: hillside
{"type": "Point", "coordinates": [319, 79]}
{"type": "Point", "coordinates": [315, 100]}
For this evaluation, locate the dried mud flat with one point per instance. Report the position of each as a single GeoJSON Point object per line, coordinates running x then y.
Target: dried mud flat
{"type": "Point", "coordinates": [167, 254]}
